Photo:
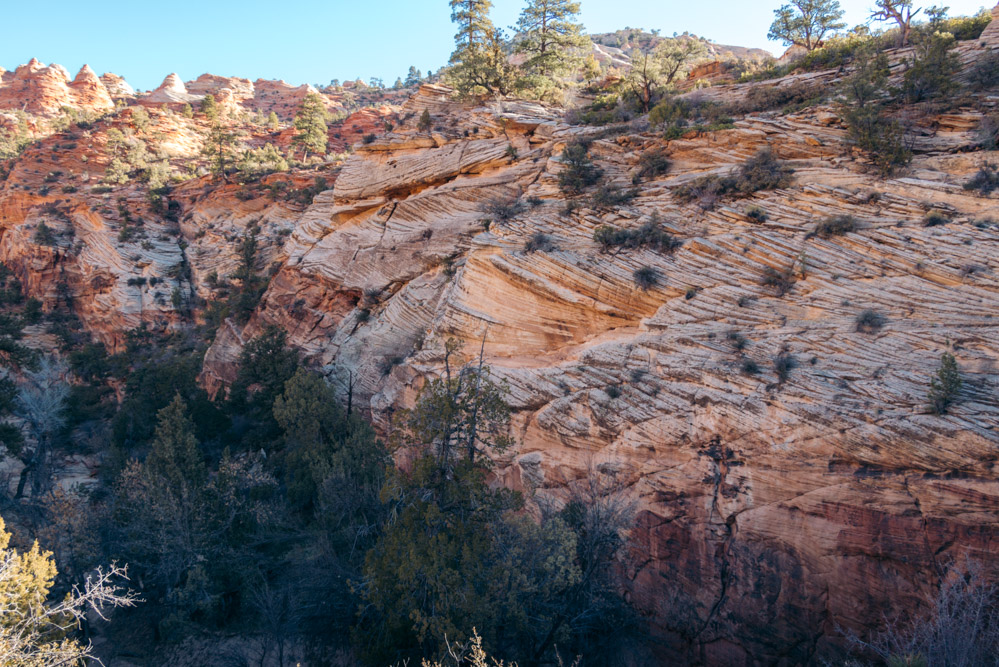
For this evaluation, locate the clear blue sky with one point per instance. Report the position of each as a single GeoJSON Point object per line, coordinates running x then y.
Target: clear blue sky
{"type": "Point", "coordinates": [304, 41]}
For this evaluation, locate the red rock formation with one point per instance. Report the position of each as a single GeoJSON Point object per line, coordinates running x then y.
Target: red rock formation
{"type": "Point", "coordinates": [42, 90]}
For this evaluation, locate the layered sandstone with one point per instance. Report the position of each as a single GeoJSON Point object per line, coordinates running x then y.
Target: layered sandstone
{"type": "Point", "coordinates": [771, 513]}
{"type": "Point", "coordinates": [45, 90]}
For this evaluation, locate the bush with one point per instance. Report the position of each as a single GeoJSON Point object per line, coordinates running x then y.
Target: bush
{"type": "Point", "coordinates": [787, 98]}
{"type": "Point", "coordinates": [646, 277]}
{"type": "Point", "coordinates": [763, 171]}
{"type": "Point", "coordinates": [649, 235]}
{"type": "Point", "coordinates": [985, 73]}
{"type": "Point", "coordinates": [750, 367]}
{"type": "Point", "coordinates": [930, 73]}
{"type": "Point", "coordinates": [504, 210]}
{"type": "Point", "coordinates": [936, 218]}
{"type": "Point", "coordinates": [986, 181]}
{"type": "Point", "coordinates": [369, 138]}
{"type": "Point", "coordinates": [987, 134]}
{"type": "Point", "coordinates": [756, 214]}
{"type": "Point", "coordinates": [579, 172]}
{"type": "Point", "coordinates": [784, 363]}
{"type": "Point", "coordinates": [611, 196]}
{"type": "Point", "coordinates": [882, 137]}
{"type": "Point", "coordinates": [835, 226]}
{"type": "Point", "coordinates": [652, 163]}
{"type": "Point", "coordinates": [539, 242]}
{"type": "Point", "coordinates": [780, 281]}
{"type": "Point", "coordinates": [945, 385]}
{"type": "Point", "coordinates": [870, 322]}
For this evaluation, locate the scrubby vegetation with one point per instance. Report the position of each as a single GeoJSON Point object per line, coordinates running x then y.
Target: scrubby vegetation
{"type": "Point", "coordinates": [761, 172]}
{"type": "Point", "coordinates": [650, 235]}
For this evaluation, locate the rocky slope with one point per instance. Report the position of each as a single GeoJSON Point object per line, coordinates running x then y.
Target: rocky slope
{"type": "Point", "coordinates": [772, 513]}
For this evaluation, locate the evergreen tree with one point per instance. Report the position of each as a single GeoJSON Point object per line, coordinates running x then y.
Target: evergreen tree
{"type": "Point", "coordinates": [945, 385]}
{"type": "Point", "coordinates": [653, 72]}
{"type": "Point", "coordinates": [805, 23]}
{"type": "Point", "coordinates": [273, 121]}
{"type": "Point", "coordinates": [220, 149]}
{"type": "Point", "coordinates": [550, 37]}
{"type": "Point", "coordinates": [175, 456]}
{"type": "Point", "coordinates": [187, 111]}
{"type": "Point", "coordinates": [479, 62]}
{"type": "Point", "coordinates": [310, 121]}
{"type": "Point", "coordinates": [413, 77]}
{"type": "Point", "coordinates": [209, 108]}
{"type": "Point", "coordinates": [899, 11]}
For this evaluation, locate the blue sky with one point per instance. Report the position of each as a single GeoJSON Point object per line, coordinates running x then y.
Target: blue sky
{"type": "Point", "coordinates": [304, 41]}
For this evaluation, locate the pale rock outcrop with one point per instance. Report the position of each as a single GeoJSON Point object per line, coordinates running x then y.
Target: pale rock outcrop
{"type": "Point", "coordinates": [45, 90]}
{"type": "Point", "coordinates": [990, 36]}
{"type": "Point", "coordinates": [171, 91]}
{"type": "Point", "coordinates": [117, 86]}
{"type": "Point", "coordinates": [89, 91]}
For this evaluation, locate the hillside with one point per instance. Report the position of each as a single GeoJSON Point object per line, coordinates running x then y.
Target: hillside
{"type": "Point", "coordinates": [757, 387]}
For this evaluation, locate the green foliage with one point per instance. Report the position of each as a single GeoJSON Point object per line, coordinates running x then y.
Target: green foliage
{"type": "Point", "coordinates": [930, 72]}
{"type": "Point", "coordinates": [549, 36]}
{"type": "Point", "coordinates": [653, 163]}
{"type": "Point", "coordinates": [653, 72]}
{"type": "Point", "coordinates": [209, 108]}
{"type": "Point", "coordinates": [650, 235]}
{"type": "Point", "coordinates": [870, 322]}
{"type": "Point", "coordinates": [835, 226]}
{"type": "Point", "coordinates": [540, 242]}
{"type": "Point", "coordinates": [425, 123]}
{"type": "Point", "coordinates": [322, 443]}
{"type": "Point", "coordinates": [945, 385]}
{"type": "Point", "coordinates": [265, 365]}
{"type": "Point", "coordinates": [140, 118]}
{"type": "Point", "coordinates": [310, 121]}
{"type": "Point", "coordinates": [578, 172]}
{"type": "Point", "coordinates": [763, 171]}
{"type": "Point", "coordinates": [264, 160]}
{"type": "Point", "coordinates": [805, 23]}
{"type": "Point", "coordinates": [479, 63]}
{"type": "Point", "coordinates": [220, 149]}
{"type": "Point", "coordinates": [984, 75]}
{"type": "Point", "coordinates": [985, 181]}
{"type": "Point", "coordinates": [187, 111]}
{"type": "Point", "coordinates": [646, 277]}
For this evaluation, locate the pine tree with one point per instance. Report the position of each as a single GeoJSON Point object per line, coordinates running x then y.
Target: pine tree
{"type": "Point", "coordinates": [550, 36]}
{"type": "Point", "coordinates": [187, 111]}
{"type": "Point", "coordinates": [220, 147]}
{"type": "Point", "coordinates": [413, 77]}
{"type": "Point", "coordinates": [209, 108]}
{"type": "Point", "coordinates": [175, 456]}
{"type": "Point", "coordinates": [273, 121]}
{"type": "Point", "coordinates": [479, 62]}
{"type": "Point", "coordinates": [313, 134]}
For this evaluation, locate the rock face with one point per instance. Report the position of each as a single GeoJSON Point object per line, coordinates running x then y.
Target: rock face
{"type": "Point", "coordinates": [990, 37]}
{"type": "Point", "coordinates": [171, 91]}
{"type": "Point", "coordinates": [43, 91]}
{"type": "Point", "coordinates": [788, 479]}
{"type": "Point", "coordinates": [771, 510]}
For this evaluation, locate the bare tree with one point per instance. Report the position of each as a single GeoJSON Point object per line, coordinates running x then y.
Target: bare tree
{"type": "Point", "coordinates": [899, 11]}
{"type": "Point", "coordinates": [41, 396]}
{"type": "Point", "coordinates": [960, 630]}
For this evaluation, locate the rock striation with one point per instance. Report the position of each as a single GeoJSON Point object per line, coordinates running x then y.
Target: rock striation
{"type": "Point", "coordinates": [45, 90]}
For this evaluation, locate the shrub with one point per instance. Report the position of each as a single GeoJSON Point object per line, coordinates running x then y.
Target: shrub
{"type": "Point", "coordinates": [788, 98]}
{"type": "Point", "coordinates": [611, 196]}
{"type": "Point", "coordinates": [763, 171]}
{"type": "Point", "coordinates": [985, 73]}
{"type": "Point", "coordinates": [425, 122]}
{"type": "Point", "coordinates": [649, 235]}
{"type": "Point", "coordinates": [784, 363]}
{"type": "Point", "coordinates": [780, 281]}
{"type": "Point", "coordinates": [540, 242]}
{"type": "Point", "coordinates": [882, 137]}
{"type": "Point", "coordinates": [835, 226]}
{"type": "Point", "coordinates": [739, 342]}
{"type": "Point", "coordinates": [985, 181]}
{"type": "Point", "coordinates": [504, 210]}
{"type": "Point", "coordinates": [44, 235]}
{"type": "Point", "coordinates": [987, 134]}
{"type": "Point", "coordinates": [579, 172]}
{"type": "Point", "coordinates": [936, 218]}
{"type": "Point", "coordinates": [646, 277]}
{"type": "Point", "coordinates": [369, 138]}
{"type": "Point", "coordinates": [930, 73]}
{"type": "Point", "coordinates": [945, 385]}
{"type": "Point", "coordinates": [652, 163]}
{"type": "Point", "coordinates": [750, 367]}
{"type": "Point", "coordinates": [613, 391]}
{"type": "Point", "coordinates": [756, 214]}
{"type": "Point", "coordinates": [870, 322]}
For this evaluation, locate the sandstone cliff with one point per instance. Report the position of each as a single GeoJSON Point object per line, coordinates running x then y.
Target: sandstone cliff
{"type": "Point", "coordinates": [774, 509]}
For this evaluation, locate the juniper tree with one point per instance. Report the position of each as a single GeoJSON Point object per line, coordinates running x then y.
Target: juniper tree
{"type": "Point", "coordinates": [209, 108]}
{"type": "Point", "coordinates": [945, 385]}
{"type": "Point", "coordinates": [550, 37]}
{"type": "Point", "coordinates": [653, 72]}
{"type": "Point", "coordinates": [310, 121]}
{"type": "Point", "coordinates": [805, 23]}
